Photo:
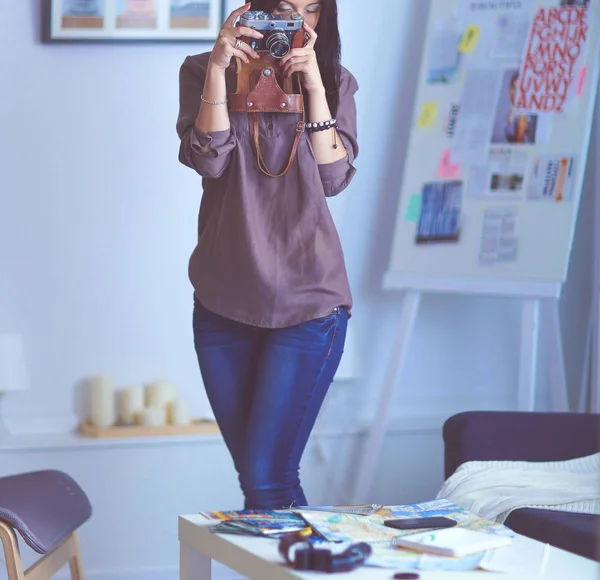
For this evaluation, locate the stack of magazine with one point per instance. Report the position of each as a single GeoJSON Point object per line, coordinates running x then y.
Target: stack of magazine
{"type": "Point", "coordinates": [273, 523]}
{"type": "Point", "coordinates": [256, 523]}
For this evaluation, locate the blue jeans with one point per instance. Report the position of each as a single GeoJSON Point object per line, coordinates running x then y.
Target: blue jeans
{"type": "Point", "coordinates": [266, 387]}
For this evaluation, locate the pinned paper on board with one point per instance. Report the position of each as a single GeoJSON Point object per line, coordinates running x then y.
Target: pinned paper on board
{"type": "Point", "coordinates": [451, 120]}
{"type": "Point", "coordinates": [581, 83]}
{"type": "Point", "coordinates": [414, 208]}
{"type": "Point", "coordinates": [552, 178]}
{"type": "Point", "coordinates": [511, 126]}
{"type": "Point", "coordinates": [428, 115]}
{"type": "Point", "coordinates": [469, 40]}
{"type": "Point", "coordinates": [553, 56]}
{"type": "Point", "coordinates": [468, 10]}
{"type": "Point", "coordinates": [509, 37]}
{"type": "Point", "coordinates": [446, 169]}
{"type": "Point", "coordinates": [442, 58]}
{"type": "Point", "coordinates": [503, 177]}
{"type": "Point", "coordinates": [475, 125]}
{"type": "Point", "coordinates": [499, 240]}
{"type": "Point", "coordinates": [439, 218]}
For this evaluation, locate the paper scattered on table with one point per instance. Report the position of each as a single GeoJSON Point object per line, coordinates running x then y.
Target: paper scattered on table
{"type": "Point", "coordinates": [501, 178]}
{"type": "Point", "coordinates": [348, 528]}
{"type": "Point", "coordinates": [475, 124]}
{"type": "Point", "coordinates": [554, 55]}
{"type": "Point", "coordinates": [499, 241]}
{"type": "Point", "coordinates": [442, 60]}
{"type": "Point", "coordinates": [512, 561]}
{"type": "Point", "coordinates": [355, 528]}
{"type": "Point", "coordinates": [364, 510]}
{"type": "Point", "coordinates": [403, 559]}
{"type": "Point", "coordinates": [446, 168]}
{"type": "Point", "coordinates": [428, 115]}
{"type": "Point", "coordinates": [455, 542]}
{"type": "Point", "coordinates": [552, 178]}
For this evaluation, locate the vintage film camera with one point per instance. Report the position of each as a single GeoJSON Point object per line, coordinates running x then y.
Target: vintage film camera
{"type": "Point", "coordinates": [281, 34]}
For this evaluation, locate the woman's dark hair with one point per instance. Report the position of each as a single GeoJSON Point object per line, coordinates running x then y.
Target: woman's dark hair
{"type": "Point", "coordinates": [328, 46]}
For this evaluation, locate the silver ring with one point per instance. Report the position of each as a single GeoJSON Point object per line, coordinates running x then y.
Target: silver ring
{"type": "Point", "coordinates": [238, 43]}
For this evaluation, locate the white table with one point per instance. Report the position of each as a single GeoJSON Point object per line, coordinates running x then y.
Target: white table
{"type": "Point", "coordinates": [258, 559]}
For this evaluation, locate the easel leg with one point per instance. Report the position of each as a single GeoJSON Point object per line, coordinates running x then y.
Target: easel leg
{"type": "Point", "coordinates": [376, 433]}
{"type": "Point", "coordinates": [556, 358]}
{"type": "Point", "coordinates": [193, 565]}
{"type": "Point", "coordinates": [530, 324]}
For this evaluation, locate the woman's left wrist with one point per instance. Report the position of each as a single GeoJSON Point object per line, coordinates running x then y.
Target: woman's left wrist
{"type": "Point", "coordinates": [316, 91]}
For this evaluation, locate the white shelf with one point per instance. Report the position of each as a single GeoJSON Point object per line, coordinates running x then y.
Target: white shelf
{"type": "Point", "coordinates": [73, 441]}
{"type": "Point", "coordinates": [53, 442]}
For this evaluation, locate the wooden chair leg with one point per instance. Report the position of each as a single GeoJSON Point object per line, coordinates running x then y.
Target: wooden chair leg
{"type": "Point", "coordinates": [12, 556]}
{"type": "Point", "coordinates": [75, 564]}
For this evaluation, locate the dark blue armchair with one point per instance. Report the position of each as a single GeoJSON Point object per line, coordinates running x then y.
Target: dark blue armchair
{"type": "Point", "coordinates": [523, 436]}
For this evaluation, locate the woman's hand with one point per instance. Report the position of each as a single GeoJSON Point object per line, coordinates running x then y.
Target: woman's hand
{"type": "Point", "coordinates": [304, 61]}
{"type": "Point", "coordinates": [229, 44]}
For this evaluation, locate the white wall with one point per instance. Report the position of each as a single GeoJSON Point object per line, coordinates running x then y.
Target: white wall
{"type": "Point", "coordinates": [97, 221]}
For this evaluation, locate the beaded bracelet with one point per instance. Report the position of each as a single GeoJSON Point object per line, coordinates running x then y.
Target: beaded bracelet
{"type": "Point", "coordinates": [212, 102]}
{"type": "Point", "coordinates": [321, 126]}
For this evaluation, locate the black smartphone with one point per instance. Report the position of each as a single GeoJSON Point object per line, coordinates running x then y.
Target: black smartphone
{"type": "Point", "coordinates": [418, 523]}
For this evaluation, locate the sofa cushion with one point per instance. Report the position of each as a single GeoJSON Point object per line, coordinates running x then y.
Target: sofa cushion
{"type": "Point", "coordinates": [577, 533]}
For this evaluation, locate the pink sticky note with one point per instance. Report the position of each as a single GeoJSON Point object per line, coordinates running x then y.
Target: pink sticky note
{"type": "Point", "coordinates": [446, 169]}
{"type": "Point", "coordinates": [581, 83]}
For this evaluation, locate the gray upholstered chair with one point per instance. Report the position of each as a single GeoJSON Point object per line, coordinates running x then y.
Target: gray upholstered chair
{"type": "Point", "coordinates": [46, 508]}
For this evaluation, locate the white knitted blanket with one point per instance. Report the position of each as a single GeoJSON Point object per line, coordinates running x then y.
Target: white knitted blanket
{"type": "Point", "coordinates": [493, 489]}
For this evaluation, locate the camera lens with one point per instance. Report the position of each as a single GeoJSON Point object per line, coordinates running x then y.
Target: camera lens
{"type": "Point", "coordinates": [278, 45]}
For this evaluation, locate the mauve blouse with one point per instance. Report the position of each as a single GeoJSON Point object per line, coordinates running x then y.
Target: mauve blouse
{"type": "Point", "coordinates": [268, 253]}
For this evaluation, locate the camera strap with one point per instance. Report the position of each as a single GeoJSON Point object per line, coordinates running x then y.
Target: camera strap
{"type": "Point", "coordinates": [259, 91]}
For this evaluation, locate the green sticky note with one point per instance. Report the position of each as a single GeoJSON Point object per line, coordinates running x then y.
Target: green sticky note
{"type": "Point", "coordinates": [414, 208]}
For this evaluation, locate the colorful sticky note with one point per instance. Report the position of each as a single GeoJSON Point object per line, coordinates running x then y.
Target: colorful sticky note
{"type": "Point", "coordinates": [446, 169]}
{"type": "Point", "coordinates": [428, 115]}
{"type": "Point", "coordinates": [469, 39]}
{"type": "Point", "coordinates": [413, 211]}
{"type": "Point", "coordinates": [581, 82]}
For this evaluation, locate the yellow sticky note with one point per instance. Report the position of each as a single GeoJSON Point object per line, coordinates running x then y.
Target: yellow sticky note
{"type": "Point", "coordinates": [428, 115]}
{"type": "Point", "coordinates": [469, 40]}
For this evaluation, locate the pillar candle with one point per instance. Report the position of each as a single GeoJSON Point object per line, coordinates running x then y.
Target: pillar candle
{"type": "Point", "coordinates": [102, 401]}
{"type": "Point", "coordinates": [131, 402]}
{"type": "Point", "coordinates": [159, 394]}
{"type": "Point", "coordinates": [179, 412]}
{"type": "Point", "coordinates": [152, 416]}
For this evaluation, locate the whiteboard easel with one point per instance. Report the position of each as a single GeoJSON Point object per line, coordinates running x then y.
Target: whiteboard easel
{"type": "Point", "coordinates": [536, 280]}
{"type": "Point", "coordinates": [539, 304]}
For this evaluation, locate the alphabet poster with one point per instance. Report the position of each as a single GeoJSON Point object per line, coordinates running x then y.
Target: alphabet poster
{"type": "Point", "coordinates": [553, 59]}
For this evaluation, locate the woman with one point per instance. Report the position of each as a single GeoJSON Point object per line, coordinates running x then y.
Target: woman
{"type": "Point", "coordinates": [272, 298]}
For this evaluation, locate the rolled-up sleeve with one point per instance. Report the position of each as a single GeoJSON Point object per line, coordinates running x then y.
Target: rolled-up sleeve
{"type": "Point", "coordinates": [337, 176]}
{"type": "Point", "coordinates": [206, 153]}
